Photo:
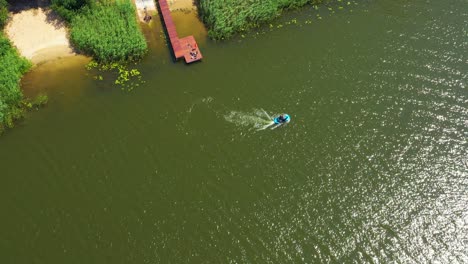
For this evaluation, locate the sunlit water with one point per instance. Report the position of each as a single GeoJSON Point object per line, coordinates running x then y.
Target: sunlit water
{"type": "Point", "coordinates": [373, 167]}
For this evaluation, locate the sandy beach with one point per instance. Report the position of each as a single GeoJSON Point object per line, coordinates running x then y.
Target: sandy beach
{"type": "Point", "coordinates": [39, 35]}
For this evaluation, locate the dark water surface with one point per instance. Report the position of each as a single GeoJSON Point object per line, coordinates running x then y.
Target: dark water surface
{"type": "Point", "coordinates": [372, 169]}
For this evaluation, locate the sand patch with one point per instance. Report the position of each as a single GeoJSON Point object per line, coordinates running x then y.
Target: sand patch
{"type": "Point", "coordinates": [147, 8]}
{"type": "Point", "coordinates": [39, 35]}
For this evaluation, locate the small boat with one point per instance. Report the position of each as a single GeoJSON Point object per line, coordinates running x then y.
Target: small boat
{"type": "Point", "coordinates": [282, 119]}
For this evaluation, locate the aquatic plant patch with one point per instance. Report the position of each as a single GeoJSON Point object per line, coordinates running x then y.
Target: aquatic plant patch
{"type": "Point", "coordinates": [124, 77]}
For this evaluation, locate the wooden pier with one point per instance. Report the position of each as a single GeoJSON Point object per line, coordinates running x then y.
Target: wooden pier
{"type": "Point", "coordinates": [186, 47]}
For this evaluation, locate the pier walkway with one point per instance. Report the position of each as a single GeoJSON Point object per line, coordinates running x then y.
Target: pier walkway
{"type": "Point", "coordinates": [186, 47]}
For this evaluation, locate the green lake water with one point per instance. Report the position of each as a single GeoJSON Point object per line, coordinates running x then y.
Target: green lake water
{"type": "Point", "coordinates": [373, 167]}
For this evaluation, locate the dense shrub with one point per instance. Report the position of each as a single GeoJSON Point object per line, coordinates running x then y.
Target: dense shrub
{"type": "Point", "coordinates": [12, 69]}
{"type": "Point", "coordinates": [109, 32]}
{"type": "Point", "coordinates": [226, 17]}
{"type": "Point", "coordinates": [68, 8]}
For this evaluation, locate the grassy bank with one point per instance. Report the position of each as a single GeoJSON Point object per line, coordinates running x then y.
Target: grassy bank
{"type": "Point", "coordinates": [107, 30]}
{"type": "Point", "coordinates": [13, 66]}
{"type": "Point", "coordinates": [3, 13]}
{"type": "Point", "coordinates": [227, 17]}
{"type": "Point", "coordinates": [12, 104]}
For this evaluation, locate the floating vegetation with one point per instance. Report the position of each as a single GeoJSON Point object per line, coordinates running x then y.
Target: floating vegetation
{"type": "Point", "coordinates": [36, 102]}
{"type": "Point", "coordinates": [40, 100]}
{"type": "Point", "coordinates": [91, 65]}
{"type": "Point", "coordinates": [122, 76]}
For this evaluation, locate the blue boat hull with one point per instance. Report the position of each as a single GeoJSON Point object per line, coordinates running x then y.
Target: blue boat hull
{"type": "Point", "coordinates": [278, 121]}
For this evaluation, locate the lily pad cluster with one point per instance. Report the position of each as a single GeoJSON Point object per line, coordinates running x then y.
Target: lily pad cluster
{"type": "Point", "coordinates": [123, 76]}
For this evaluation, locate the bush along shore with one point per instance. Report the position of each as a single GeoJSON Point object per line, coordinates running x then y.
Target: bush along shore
{"type": "Point", "coordinates": [13, 105]}
{"type": "Point", "coordinates": [13, 66]}
{"type": "Point", "coordinates": [228, 17]}
{"type": "Point", "coordinates": [107, 30]}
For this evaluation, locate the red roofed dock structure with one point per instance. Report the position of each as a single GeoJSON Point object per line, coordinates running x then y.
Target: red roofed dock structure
{"type": "Point", "coordinates": [186, 47]}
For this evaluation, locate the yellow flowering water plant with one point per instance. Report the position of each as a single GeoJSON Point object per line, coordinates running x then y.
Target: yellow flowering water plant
{"type": "Point", "coordinates": [122, 76]}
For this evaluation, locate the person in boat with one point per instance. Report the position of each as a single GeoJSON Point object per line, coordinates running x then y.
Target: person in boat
{"type": "Point", "coordinates": [283, 118]}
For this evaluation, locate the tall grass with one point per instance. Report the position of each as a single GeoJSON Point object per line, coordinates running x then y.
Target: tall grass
{"type": "Point", "coordinates": [109, 32]}
{"type": "Point", "coordinates": [227, 17]}
{"type": "Point", "coordinates": [12, 69]}
{"type": "Point", "coordinates": [68, 8]}
{"type": "Point", "coordinates": [105, 29]}
{"type": "Point", "coordinates": [3, 13]}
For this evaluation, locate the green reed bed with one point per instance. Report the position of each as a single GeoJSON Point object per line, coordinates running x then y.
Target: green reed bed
{"type": "Point", "coordinates": [68, 9]}
{"type": "Point", "coordinates": [109, 32]}
{"type": "Point", "coordinates": [224, 18]}
{"type": "Point", "coordinates": [13, 67]}
{"type": "Point", "coordinates": [105, 29]}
